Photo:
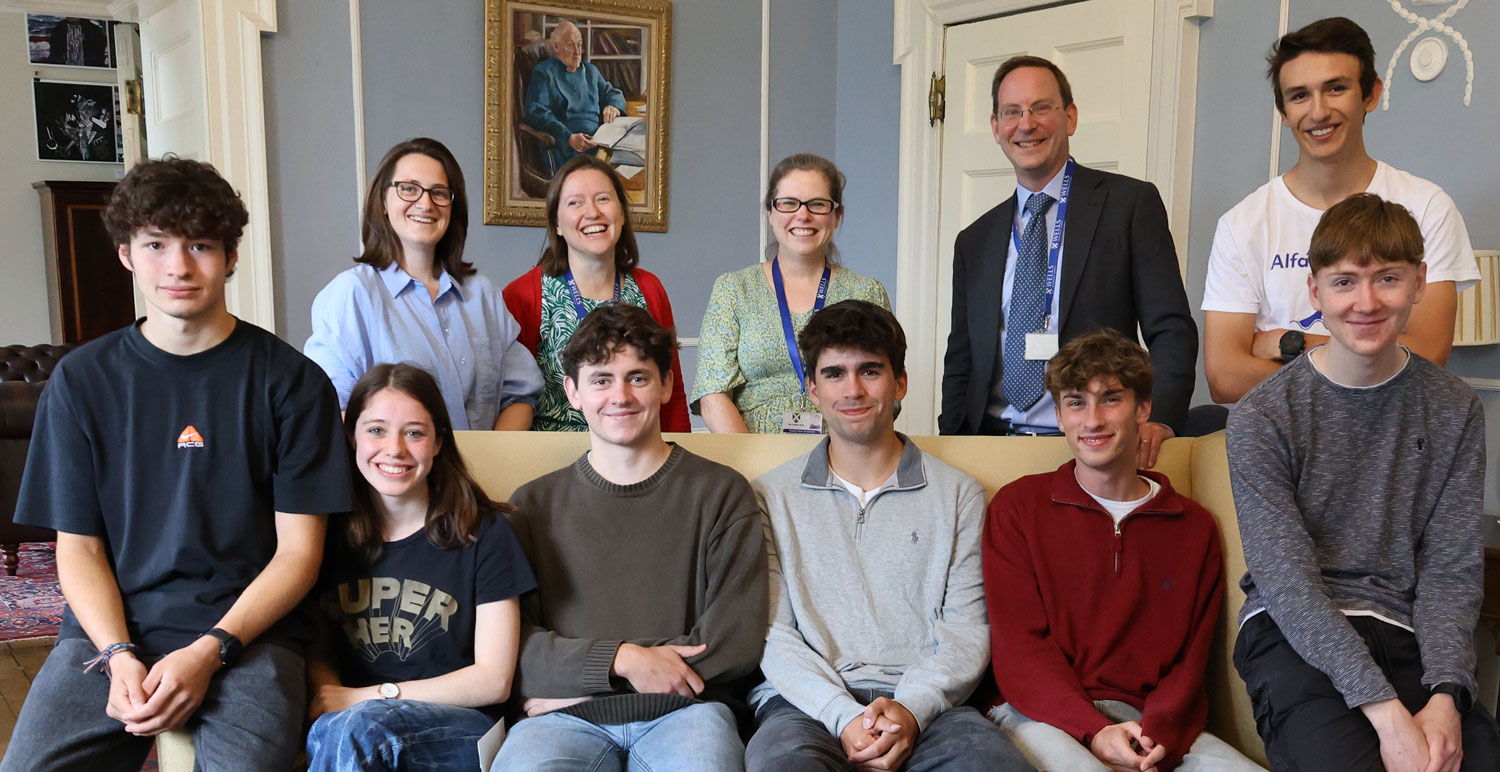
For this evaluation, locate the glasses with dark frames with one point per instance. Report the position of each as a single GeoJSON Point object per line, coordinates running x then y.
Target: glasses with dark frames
{"type": "Point", "coordinates": [406, 190]}
{"type": "Point", "coordinates": [789, 205]}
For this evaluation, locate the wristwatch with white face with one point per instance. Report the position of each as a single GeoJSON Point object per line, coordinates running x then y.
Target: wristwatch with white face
{"type": "Point", "coordinates": [389, 691]}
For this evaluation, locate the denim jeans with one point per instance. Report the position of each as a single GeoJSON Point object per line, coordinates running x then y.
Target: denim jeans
{"type": "Point", "coordinates": [248, 719]}
{"type": "Point", "coordinates": [1050, 748]}
{"type": "Point", "coordinates": [396, 735]}
{"type": "Point", "coordinates": [960, 739]}
{"type": "Point", "coordinates": [699, 738]}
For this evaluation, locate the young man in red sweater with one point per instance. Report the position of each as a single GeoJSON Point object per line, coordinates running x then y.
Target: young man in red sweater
{"type": "Point", "coordinates": [1103, 587]}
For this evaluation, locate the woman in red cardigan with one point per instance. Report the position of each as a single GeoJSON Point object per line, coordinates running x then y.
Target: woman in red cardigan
{"type": "Point", "coordinates": [590, 258]}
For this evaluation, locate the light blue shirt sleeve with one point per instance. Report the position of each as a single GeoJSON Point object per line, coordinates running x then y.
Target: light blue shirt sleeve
{"type": "Point", "coordinates": [466, 338]}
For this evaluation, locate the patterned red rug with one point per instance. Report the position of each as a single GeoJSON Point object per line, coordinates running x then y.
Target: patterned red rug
{"type": "Point", "coordinates": [31, 605]}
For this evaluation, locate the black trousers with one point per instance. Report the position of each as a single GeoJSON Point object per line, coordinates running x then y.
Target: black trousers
{"type": "Point", "coordinates": [1302, 717]}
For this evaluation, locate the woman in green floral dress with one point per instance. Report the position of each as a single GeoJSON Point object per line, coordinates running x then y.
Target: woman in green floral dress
{"type": "Point", "coordinates": [746, 378]}
{"type": "Point", "coordinates": [590, 250]}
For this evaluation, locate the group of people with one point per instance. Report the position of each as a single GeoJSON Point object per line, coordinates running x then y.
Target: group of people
{"type": "Point", "coordinates": [645, 608]}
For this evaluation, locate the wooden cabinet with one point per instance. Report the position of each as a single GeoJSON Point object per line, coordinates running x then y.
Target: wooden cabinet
{"type": "Point", "coordinates": [89, 292]}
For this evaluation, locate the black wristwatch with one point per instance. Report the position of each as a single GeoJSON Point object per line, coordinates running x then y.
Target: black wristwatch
{"type": "Point", "coordinates": [230, 647]}
{"type": "Point", "coordinates": [1292, 344]}
{"type": "Point", "coordinates": [1461, 697]}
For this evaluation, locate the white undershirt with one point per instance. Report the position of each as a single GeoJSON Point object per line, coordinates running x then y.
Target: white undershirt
{"type": "Point", "coordinates": [1119, 509]}
{"type": "Point", "coordinates": [860, 494]}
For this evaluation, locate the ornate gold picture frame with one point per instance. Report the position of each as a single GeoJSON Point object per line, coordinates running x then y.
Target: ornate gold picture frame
{"type": "Point", "coordinates": [553, 71]}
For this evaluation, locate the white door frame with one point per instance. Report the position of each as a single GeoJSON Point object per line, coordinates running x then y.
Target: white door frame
{"type": "Point", "coordinates": [233, 106]}
{"type": "Point", "coordinates": [918, 51]}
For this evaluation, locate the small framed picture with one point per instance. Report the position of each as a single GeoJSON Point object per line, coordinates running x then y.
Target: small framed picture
{"type": "Point", "coordinates": [70, 41]}
{"type": "Point", "coordinates": [78, 122]}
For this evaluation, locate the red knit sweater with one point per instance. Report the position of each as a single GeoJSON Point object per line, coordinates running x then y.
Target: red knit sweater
{"type": "Point", "coordinates": [524, 299]}
{"type": "Point", "coordinates": [1070, 625]}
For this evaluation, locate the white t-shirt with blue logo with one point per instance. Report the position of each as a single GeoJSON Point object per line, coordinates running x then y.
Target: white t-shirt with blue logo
{"type": "Point", "coordinates": [1259, 260]}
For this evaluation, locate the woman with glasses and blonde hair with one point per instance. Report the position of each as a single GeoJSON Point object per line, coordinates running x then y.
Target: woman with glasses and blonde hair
{"type": "Point", "coordinates": [412, 298]}
{"type": "Point", "coordinates": [750, 372]}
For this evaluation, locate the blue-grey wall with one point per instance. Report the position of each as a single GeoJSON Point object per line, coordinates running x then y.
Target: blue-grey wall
{"type": "Point", "coordinates": [833, 91]}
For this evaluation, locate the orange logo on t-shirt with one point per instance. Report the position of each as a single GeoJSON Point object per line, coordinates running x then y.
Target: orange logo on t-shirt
{"type": "Point", "coordinates": [190, 438]}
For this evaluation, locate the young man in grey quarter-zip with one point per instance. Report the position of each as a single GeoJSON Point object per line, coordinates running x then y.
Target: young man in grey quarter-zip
{"type": "Point", "coordinates": [1358, 474]}
{"type": "Point", "coordinates": [878, 632]}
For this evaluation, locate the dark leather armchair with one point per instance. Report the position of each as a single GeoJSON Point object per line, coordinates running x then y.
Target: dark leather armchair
{"type": "Point", "coordinates": [532, 145]}
{"type": "Point", "coordinates": [23, 373]}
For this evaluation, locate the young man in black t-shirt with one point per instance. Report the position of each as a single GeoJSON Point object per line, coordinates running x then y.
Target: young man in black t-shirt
{"type": "Point", "coordinates": [188, 463]}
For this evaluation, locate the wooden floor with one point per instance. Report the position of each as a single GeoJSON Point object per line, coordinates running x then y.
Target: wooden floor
{"type": "Point", "coordinates": [19, 663]}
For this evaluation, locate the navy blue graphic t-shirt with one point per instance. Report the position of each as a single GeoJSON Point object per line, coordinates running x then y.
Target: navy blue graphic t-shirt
{"type": "Point", "coordinates": [411, 614]}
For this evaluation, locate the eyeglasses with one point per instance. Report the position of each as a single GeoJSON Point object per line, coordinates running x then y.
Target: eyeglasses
{"type": "Point", "coordinates": [790, 205]}
{"type": "Point", "coordinates": [1039, 112]}
{"type": "Point", "coordinates": [407, 190]}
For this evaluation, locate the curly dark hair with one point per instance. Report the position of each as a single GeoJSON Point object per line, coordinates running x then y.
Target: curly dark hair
{"type": "Point", "coordinates": [853, 324]}
{"type": "Point", "coordinates": [180, 196]}
{"type": "Point", "coordinates": [1105, 354]}
{"type": "Point", "coordinates": [612, 326]}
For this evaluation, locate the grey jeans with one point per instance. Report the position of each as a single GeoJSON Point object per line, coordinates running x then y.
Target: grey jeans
{"type": "Point", "coordinates": [1050, 748]}
{"type": "Point", "coordinates": [250, 719]}
{"type": "Point", "coordinates": [959, 740]}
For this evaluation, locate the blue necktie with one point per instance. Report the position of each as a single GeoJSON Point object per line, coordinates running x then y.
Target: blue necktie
{"type": "Point", "coordinates": [1022, 378]}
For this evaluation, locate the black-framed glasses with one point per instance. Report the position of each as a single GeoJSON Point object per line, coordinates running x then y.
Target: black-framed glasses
{"type": "Point", "coordinates": [1039, 112]}
{"type": "Point", "coordinates": [406, 190]}
{"type": "Point", "coordinates": [788, 205]}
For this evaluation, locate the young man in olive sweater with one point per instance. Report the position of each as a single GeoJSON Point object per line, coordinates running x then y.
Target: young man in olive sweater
{"type": "Point", "coordinates": [1357, 472]}
{"type": "Point", "coordinates": [651, 607]}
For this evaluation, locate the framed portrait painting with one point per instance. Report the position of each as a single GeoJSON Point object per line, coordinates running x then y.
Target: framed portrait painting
{"type": "Point", "coordinates": [570, 77]}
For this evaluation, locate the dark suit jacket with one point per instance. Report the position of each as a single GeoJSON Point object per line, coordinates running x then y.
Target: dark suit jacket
{"type": "Point", "coordinates": [1118, 269]}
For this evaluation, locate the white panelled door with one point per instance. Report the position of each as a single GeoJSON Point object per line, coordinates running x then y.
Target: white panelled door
{"type": "Point", "coordinates": [1105, 49]}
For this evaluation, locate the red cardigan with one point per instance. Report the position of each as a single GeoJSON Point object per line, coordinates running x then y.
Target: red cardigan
{"type": "Point", "coordinates": [524, 299]}
{"type": "Point", "coordinates": [1067, 627]}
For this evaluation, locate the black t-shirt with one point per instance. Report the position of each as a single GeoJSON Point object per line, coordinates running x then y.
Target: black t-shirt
{"type": "Point", "coordinates": [411, 614]}
{"type": "Point", "coordinates": [179, 463]}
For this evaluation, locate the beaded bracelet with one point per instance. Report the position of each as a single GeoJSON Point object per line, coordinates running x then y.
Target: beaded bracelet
{"type": "Point", "coordinates": [101, 660]}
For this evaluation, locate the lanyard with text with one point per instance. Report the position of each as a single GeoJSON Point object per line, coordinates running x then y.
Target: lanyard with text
{"type": "Point", "coordinates": [1054, 247]}
{"type": "Point", "coordinates": [578, 299]}
{"type": "Point", "coordinates": [786, 315]}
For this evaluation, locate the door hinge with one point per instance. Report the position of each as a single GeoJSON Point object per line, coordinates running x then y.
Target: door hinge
{"type": "Point", "coordinates": [135, 103]}
{"type": "Point", "coordinates": [936, 99]}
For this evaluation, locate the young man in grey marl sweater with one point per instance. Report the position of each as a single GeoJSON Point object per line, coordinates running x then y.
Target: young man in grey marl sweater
{"type": "Point", "coordinates": [1357, 472]}
{"type": "Point", "coordinates": [651, 607]}
{"type": "Point", "coordinates": [879, 630]}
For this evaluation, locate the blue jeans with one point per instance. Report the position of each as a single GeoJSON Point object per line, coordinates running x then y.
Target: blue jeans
{"type": "Point", "coordinates": [699, 738]}
{"type": "Point", "coordinates": [396, 735]}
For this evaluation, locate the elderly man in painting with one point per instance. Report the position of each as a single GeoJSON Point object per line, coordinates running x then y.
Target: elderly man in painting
{"type": "Point", "coordinates": [568, 97]}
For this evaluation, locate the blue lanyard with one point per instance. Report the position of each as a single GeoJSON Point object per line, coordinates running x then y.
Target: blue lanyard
{"type": "Point", "coordinates": [578, 299]}
{"type": "Point", "coordinates": [1054, 247]}
{"type": "Point", "coordinates": [786, 315]}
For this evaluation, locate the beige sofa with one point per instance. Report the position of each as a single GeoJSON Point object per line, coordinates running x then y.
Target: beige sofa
{"type": "Point", "coordinates": [1198, 468]}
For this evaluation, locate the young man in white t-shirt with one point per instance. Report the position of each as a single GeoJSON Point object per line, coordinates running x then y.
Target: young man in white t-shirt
{"type": "Point", "coordinates": [1257, 313]}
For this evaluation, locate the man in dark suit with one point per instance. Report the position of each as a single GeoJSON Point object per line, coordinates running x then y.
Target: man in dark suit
{"type": "Point", "coordinates": [1110, 262]}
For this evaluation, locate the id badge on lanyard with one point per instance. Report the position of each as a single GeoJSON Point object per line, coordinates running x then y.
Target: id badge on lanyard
{"type": "Point", "coordinates": [797, 421]}
{"type": "Point", "coordinates": [578, 297]}
{"type": "Point", "coordinates": [1043, 343]}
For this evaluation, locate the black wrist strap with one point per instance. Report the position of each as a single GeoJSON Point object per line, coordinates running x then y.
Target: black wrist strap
{"type": "Point", "coordinates": [1462, 699]}
{"type": "Point", "coordinates": [229, 646]}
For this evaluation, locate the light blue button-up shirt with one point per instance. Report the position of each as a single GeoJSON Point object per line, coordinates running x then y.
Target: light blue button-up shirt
{"type": "Point", "coordinates": [465, 338]}
{"type": "Point", "coordinates": [1042, 417]}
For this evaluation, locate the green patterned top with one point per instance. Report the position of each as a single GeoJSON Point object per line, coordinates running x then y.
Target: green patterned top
{"type": "Point", "coordinates": [559, 320]}
{"type": "Point", "coordinates": [742, 349]}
